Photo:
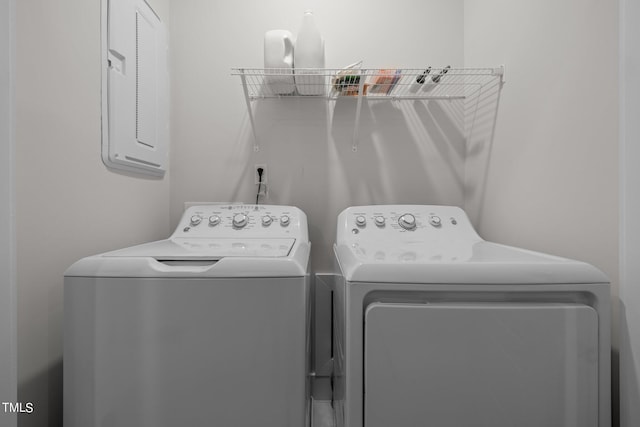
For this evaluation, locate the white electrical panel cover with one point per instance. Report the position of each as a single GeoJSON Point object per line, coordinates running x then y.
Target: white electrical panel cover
{"type": "Point", "coordinates": [135, 88]}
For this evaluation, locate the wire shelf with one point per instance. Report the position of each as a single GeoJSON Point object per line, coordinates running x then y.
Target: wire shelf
{"type": "Point", "coordinates": [363, 83]}
{"type": "Point", "coordinates": [370, 83]}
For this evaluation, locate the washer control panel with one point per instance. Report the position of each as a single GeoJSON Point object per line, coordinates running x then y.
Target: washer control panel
{"type": "Point", "coordinates": [404, 223]}
{"type": "Point", "coordinates": [405, 234]}
{"type": "Point", "coordinates": [234, 220]}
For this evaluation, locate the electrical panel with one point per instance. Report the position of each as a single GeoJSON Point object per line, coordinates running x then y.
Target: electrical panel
{"type": "Point", "coordinates": [135, 88]}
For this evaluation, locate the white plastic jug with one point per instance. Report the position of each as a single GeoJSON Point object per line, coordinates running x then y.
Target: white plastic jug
{"type": "Point", "coordinates": [278, 62]}
{"type": "Point", "coordinates": [309, 54]}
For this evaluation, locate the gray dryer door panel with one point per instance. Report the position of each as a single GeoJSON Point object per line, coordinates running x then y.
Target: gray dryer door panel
{"type": "Point", "coordinates": [481, 364]}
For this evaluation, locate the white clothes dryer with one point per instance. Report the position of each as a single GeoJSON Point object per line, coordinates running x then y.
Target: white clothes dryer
{"type": "Point", "coordinates": [209, 327]}
{"type": "Point", "coordinates": [436, 327]}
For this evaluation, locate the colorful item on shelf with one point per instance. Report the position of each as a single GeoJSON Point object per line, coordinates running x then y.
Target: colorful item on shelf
{"type": "Point", "coordinates": [384, 81]}
{"type": "Point", "coordinates": [347, 81]}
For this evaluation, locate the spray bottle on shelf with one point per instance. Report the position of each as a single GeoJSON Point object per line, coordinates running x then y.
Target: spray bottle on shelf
{"type": "Point", "coordinates": [415, 86]}
{"type": "Point", "coordinates": [433, 82]}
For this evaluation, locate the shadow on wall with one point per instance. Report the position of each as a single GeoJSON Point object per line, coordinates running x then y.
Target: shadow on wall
{"type": "Point", "coordinates": [408, 152]}
{"type": "Point", "coordinates": [44, 391]}
{"type": "Point", "coordinates": [480, 118]}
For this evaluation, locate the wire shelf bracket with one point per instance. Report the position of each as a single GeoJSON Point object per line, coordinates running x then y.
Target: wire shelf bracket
{"type": "Point", "coordinates": [372, 84]}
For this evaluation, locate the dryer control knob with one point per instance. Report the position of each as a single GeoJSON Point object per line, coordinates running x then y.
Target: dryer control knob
{"type": "Point", "coordinates": [214, 220]}
{"type": "Point", "coordinates": [195, 220]}
{"type": "Point", "coordinates": [266, 220]}
{"type": "Point", "coordinates": [435, 221]}
{"type": "Point", "coordinates": [379, 220]}
{"type": "Point", "coordinates": [285, 220]}
{"type": "Point", "coordinates": [407, 221]}
{"type": "Point", "coordinates": [361, 221]}
{"type": "Point", "coordinates": [240, 220]}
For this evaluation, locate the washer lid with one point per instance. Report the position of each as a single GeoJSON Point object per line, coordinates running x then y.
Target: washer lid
{"type": "Point", "coordinates": [200, 258]}
{"type": "Point", "coordinates": [211, 249]}
{"type": "Point", "coordinates": [458, 262]}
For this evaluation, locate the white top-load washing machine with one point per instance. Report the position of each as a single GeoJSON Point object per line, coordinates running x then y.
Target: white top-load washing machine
{"type": "Point", "coordinates": [207, 328]}
{"type": "Point", "coordinates": [436, 327]}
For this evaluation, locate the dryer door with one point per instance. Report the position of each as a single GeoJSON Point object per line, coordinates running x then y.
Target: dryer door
{"type": "Point", "coordinates": [481, 364]}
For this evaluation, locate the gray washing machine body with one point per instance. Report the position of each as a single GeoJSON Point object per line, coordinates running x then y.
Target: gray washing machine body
{"type": "Point", "coordinates": [208, 327]}
{"type": "Point", "coordinates": [435, 326]}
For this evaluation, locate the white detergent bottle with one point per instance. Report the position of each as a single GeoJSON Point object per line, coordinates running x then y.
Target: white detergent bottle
{"type": "Point", "coordinates": [278, 62]}
{"type": "Point", "coordinates": [309, 53]}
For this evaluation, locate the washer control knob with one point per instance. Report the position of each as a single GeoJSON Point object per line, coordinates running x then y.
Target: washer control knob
{"type": "Point", "coordinates": [379, 220]}
{"type": "Point", "coordinates": [407, 221]}
{"type": "Point", "coordinates": [266, 220]}
{"type": "Point", "coordinates": [195, 220]}
{"type": "Point", "coordinates": [240, 220]}
{"type": "Point", "coordinates": [361, 221]}
{"type": "Point", "coordinates": [435, 221]}
{"type": "Point", "coordinates": [214, 220]}
{"type": "Point", "coordinates": [285, 220]}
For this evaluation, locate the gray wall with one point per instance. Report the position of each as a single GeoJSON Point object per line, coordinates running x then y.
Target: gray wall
{"type": "Point", "coordinates": [542, 167]}
{"type": "Point", "coordinates": [630, 228]}
{"type": "Point", "coordinates": [408, 153]}
{"type": "Point", "coordinates": [68, 204]}
{"type": "Point", "coordinates": [8, 351]}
